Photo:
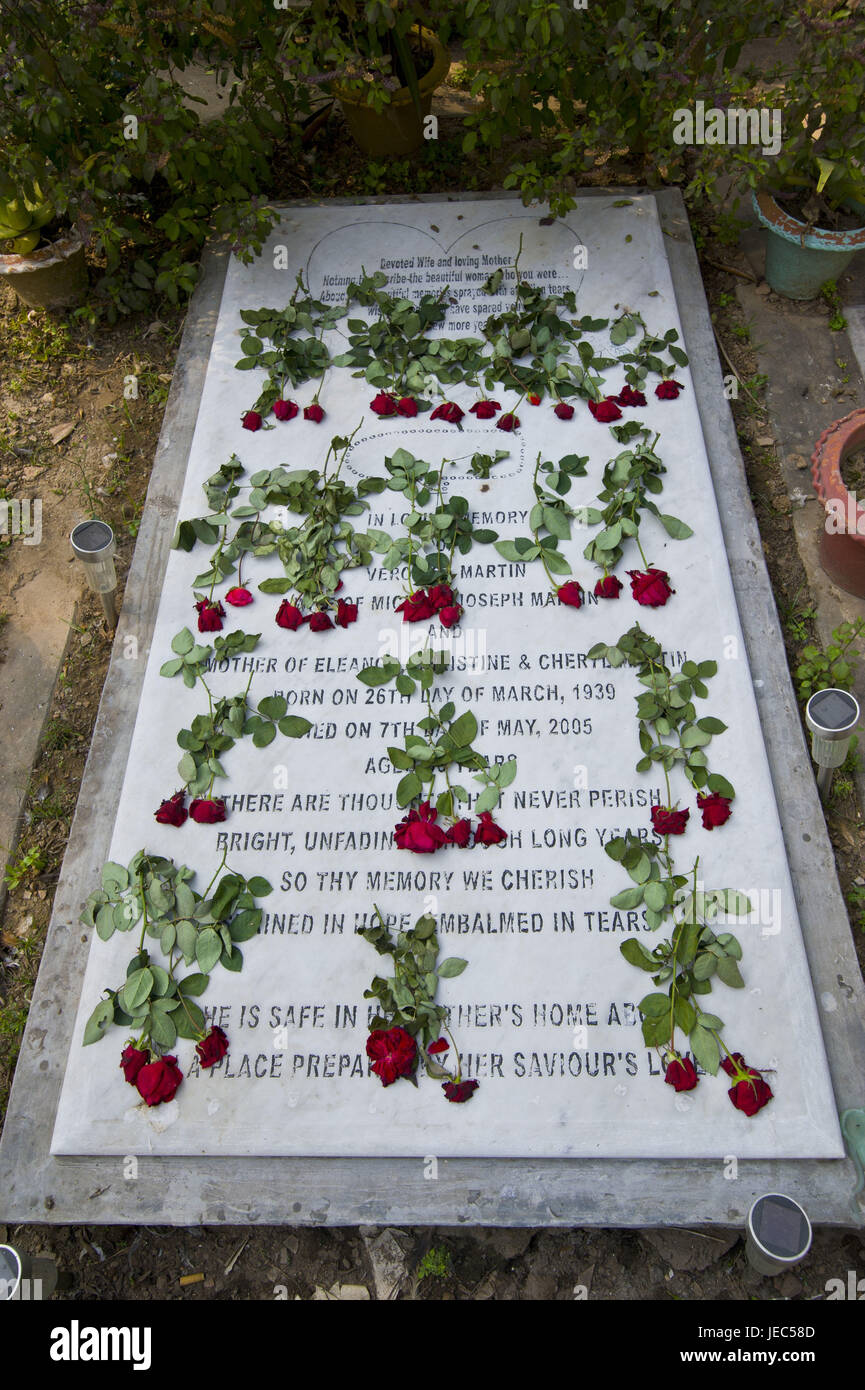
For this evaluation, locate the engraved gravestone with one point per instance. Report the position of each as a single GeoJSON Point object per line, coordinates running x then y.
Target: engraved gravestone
{"type": "Point", "coordinates": [545, 1014]}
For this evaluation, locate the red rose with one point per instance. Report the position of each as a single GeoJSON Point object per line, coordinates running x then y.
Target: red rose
{"type": "Point", "coordinates": [534, 400]}
{"type": "Point", "coordinates": [238, 598]}
{"type": "Point", "coordinates": [570, 594]}
{"type": "Point", "coordinates": [715, 808]}
{"type": "Point", "coordinates": [450, 615]}
{"type": "Point", "coordinates": [564, 411]}
{"type": "Point", "coordinates": [651, 589]}
{"type": "Point", "coordinates": [488, 833]}
{"type": "Point", "coordinates": [668, 822]}
{"type": "Point", "coordinates": [750, 1092]}
{"type": "Point", "coordinates": [207, 810]}
{"type": "Point", "coordinates": [393, 1053]}
{"type": "Point", "coordinates": [440, 595]}
{"type": "Point", "coordinates": [285, 410]}
{"type": "Point", "coordinates": [484, 410]}
{"type": "Point", "coordinates": [313, 412]}
{"type": "Point", "coordinates": [210, 615]}
{"type": "Point", "coordinates": [509, 423]}
{"type": "Point", "coordinates": [441, 1046]}
{"type": "Point", "coordinates": [419, 832]}
{"type": "Point", "coordinates": [668, 390]}
{"type": "Point", "coordinates": [383, 404]}
{"type": "Point", "coordinates": [345, 613]}
{"type": "Point", "coordinates": [459, 1091]}
{"type": "Point", "coordinates": [459, 833]}
{"type": "Point", "coordinates": [251, 420]}
{"type": "Point", "coordinates": [172, 811]}
{"type": "Point", "coordinates": [320, 622]}
{"type": "Point", "coordinates": [682, 1074]}
{"type": "Point", "coordinates": [448, 411]}
{"type": "Point", "coordinates": [212, 1047]}
{"type": "Point", "coordinates": [132, 1059]}
{"type": "Point", "coordinates": [158, 1081]}
{"type": "Point", "coordinates": [289, 616]}
{"type": "Point", "coordinates": [406, 406]}
{"type": "Point", "coordinates": [605, 411]}
{"type": "Point", "coordinates": [628, 396]}
{"type": "Point", "coordinates": [416, 607]}
{"type": "Point", "coordinates": [608, 587]}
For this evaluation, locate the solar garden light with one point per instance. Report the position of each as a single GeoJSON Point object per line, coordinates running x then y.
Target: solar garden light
{"type": "Point", "coordinates": [93, 544]}
{"type": "Point", "coordinates": [778, 1234]}
{"type": "Point", "coordinates": [831, 716]}
{"type": "Point", "coordinates": [25, 1277]}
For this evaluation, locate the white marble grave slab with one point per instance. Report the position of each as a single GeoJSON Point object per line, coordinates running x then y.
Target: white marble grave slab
{"type": "Point", "coordinates": [532, 918]}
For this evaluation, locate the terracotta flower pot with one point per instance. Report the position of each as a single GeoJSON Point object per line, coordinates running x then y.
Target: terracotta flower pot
{"type": "Point", "coordinates": [52, 276]}
{"type": "Point", "coordinates": [842, 543]}
{"type": "Point", "coordinates": [397, 129]}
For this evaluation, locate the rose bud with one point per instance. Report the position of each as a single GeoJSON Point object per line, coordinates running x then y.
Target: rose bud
{"type": "Point", "coordinates": [212, 1048]}
{"type": "Point", "coordinates": [488, 833]}
{"type": "Point", "coordinates": [406, 406]}
{"type": "Point", "coordinates": [238, 598]}
{"type": "Point", "coordinates": [485, 410]}
{"type": "Point", "coordinates": [459, 1091]}
{"type": "Point", "coordinates": [417, 607]}
{"type": "Point", "coordinates": [210, 615]}
{"type": "Point", "coordinates": [450, 615]}
{"type": "Point", "coordinates": [750, 1092]}
{"type": "Point", "coordinates": [285, 410]}
{"type": "Point", "coordinates": [158, 1081]}
{"type": "Point", "coordinates": [681, 1073]}
{"type": "Point", "coordinates": [393, 1053]}
{"type": "Point", "coordinates": [628, 396]}
{"type": "Point", "coordinates": [418, 832]}
{"type": "Point", "coordinates": [564, 411]}
{"type": "Point", "coordinates": [668, 390]}
{"type": "Point", "coordinates": [132, 1059]}
{"type": "Point", "coordinates": [459, 833]}
{"type": "Point", "coordinates": [715, 808]}
{"type": "Point", "coordinates": [605, 411]}
{"type": "Point", "coordinates": [251, 420]}
{"type": "Point", "coordinates": [383, 404]}
{"type": "Point", "coordinates": [571, 594]}
{"type": "Point", "coordinates": [172, 811]}
{"type": "Point", "coordinates": [289, 616]}
{"type": "Point", "coordinates": [651, 589]}
{"type": "Point", "coordinates": [345, 613]}
{"type": "Point", "coordinates": [508, 423]}
{"type": "Point", "coordinates": [313, 412]}
{"type": "Point", "coordinates": [448, 411]}
{"type": "Point", "coordinates": [441, 1046]}
{"type": "Point", "coordinates": [669, 822]}
{"type": "Point", "coordinates": [207, 810]}
{"type": "Point", "coordinates": [608, 587]}
{"type": "Point", "coordinates": [534, 399]}
{"type": "Point", "coordinates": [320, 622]}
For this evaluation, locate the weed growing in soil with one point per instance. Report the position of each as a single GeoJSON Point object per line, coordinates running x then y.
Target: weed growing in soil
{"type": "Point", "coordinates": [27, 865]}
{"type": "Point", "coordinates": [834, 667]}
{"type": "Point", "coordinates": [436, 1263]}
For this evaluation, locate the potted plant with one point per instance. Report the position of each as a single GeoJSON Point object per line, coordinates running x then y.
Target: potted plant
{"type": "Point", "coordinates": [811, 197]}
{"type": "Point", "coordinates": [46, 270]}
{"type": "Point", "coordinates": [381, 62]}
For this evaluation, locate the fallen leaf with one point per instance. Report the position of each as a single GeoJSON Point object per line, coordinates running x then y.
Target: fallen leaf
{"type": "Point", "coordinates": [58, 433]}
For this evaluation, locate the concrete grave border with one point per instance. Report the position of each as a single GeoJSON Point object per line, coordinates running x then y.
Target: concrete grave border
{"type": "Point", "coordinates": [37, 1187]}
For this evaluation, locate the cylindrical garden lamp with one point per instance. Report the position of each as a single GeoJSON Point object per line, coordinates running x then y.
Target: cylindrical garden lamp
{"type": "Point", "coordinates": [778, 1234]}
{"type": "Point", "coordinates": [831, 716]}
{"type": "Point", "coordinates": [93, 544]}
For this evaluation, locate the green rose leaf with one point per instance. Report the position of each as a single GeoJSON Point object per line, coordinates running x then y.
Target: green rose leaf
{"type": "Point", "coordinates": [100, 1019]}
{"type": "Point", "coordinates": [454, 965]}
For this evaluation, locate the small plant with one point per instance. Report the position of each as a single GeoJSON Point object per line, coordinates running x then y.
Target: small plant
{"type": "Point", "coordinates": [834, 667]}
{"type": "Point", "coordinates": [27, 866]}
{"type": "Point", "coordinates": [798, 621]}
{"type": "Point", "coordinates": [856, 903]}
{"type": "Point", "coordinates": [829, 293]}
{"type": "Point", "coordinates": [437, 1263]}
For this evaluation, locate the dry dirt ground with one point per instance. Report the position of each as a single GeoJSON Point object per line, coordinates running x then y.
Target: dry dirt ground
{"type": "Point", "coordinates": [53, 372]}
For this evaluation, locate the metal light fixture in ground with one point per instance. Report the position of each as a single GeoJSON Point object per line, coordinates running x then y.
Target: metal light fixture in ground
{"type": "Point", "coordinates": [93, 544]}
{"type": "Point", "coordinates": [831, 716]}
{"type": "Point", "coordinates": [778, 1234]}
